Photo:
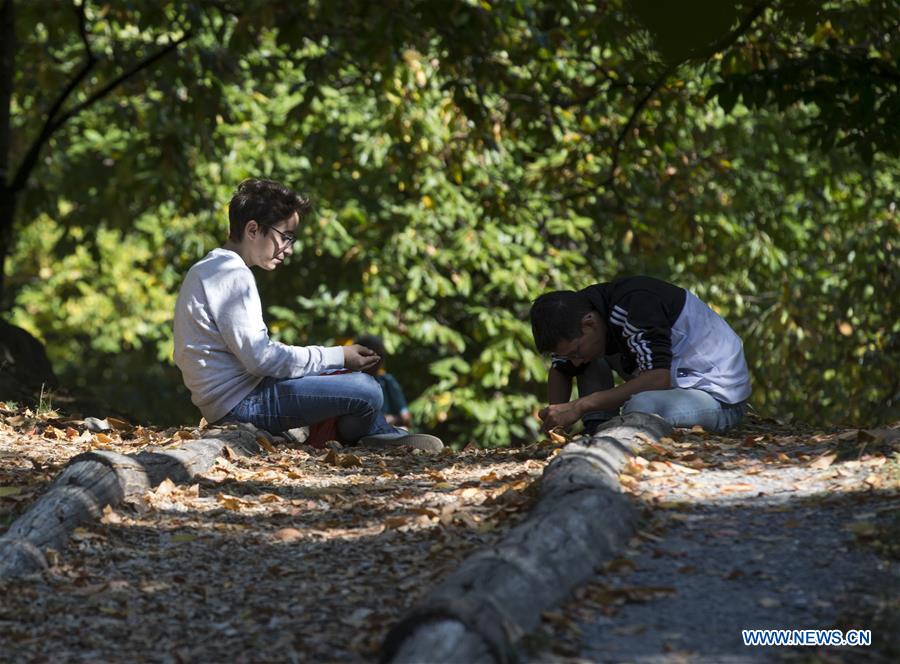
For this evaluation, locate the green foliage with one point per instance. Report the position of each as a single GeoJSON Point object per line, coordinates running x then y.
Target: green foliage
{"type": "Point", "coordinates": [463, 158]}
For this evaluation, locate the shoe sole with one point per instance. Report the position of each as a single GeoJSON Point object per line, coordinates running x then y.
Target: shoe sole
{"type": "Point", "coordinates": [417, 441]}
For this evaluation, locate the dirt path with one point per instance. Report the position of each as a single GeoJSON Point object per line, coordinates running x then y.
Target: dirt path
{"type": "Point", "coordinates": [306, 555]}
{"type": "Point", "coordinates": [298, 555]}
{"type": "Point", "coordinates": [768, 528]}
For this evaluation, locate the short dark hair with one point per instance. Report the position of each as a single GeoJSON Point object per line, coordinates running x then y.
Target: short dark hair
{"type": "Point", "coordinates": [265, 201]}
{"type": "Point", "coordinates": [373, 342]}
{"type": "Point", "coordinates": [557, 317]}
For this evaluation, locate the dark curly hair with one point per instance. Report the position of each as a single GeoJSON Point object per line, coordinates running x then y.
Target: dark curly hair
{"type": "Point", "coordinates": [265, 202]}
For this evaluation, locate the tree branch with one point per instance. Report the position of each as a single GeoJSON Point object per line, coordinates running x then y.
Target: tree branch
{"type": "Point", "coordinates": [53, 123]}
{"type": "Point", "coordinates": [7, 68]}
{"type": "Point", "coordinates": [740, 30]}
{"type": "Point", "coordinates": [83, 29]}
{"type": "Point", "coordinates": [716, 47]}
{"type": "Point", "coordinates": [31, 156]}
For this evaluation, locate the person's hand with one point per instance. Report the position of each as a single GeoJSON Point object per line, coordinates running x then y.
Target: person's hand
{"type": "Point", "coordinates": [360, 358]}
{"type": "Point", "coordinates": [559, 415]}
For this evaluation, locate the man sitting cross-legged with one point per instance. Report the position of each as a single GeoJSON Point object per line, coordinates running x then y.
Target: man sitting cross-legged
{"type": "Point", "coordinates": [235, 372]}
{"type": "Point", "coordinates": [680, 359]}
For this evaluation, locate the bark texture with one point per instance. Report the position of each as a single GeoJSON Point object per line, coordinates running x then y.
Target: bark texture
{"type": "Point", "coordinates": [94, 480]}
{"type": "Point", "coordinates": [580, 520]}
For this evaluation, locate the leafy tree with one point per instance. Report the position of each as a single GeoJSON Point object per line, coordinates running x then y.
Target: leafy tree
{"type": "Point", "coordinates": [464, 158]}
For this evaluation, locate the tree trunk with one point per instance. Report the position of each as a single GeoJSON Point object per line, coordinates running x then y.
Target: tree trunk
{"type": "Point", "coordinates": [94, 480]}
{"type": "Point", "coordinates": [7, 195]}
{"type": "Point", "coordinates": [580, 520]}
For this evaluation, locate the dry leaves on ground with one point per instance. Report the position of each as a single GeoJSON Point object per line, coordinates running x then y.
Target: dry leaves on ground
{"type": "Point", "coordinates": [297, 553]}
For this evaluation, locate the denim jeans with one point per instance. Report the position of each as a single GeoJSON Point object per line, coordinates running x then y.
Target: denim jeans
{"type": "Point", "coordinates": [278, 404]}
{"type": "Point", "coordinates": [686, 408]}
{"type": "Point", "coordinates": [680, 407]}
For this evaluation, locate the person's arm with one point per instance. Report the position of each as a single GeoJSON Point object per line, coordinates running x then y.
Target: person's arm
{"type": "Point", "coordinates": [237, 312]}
{"type": "Point", "coordinates": [559, 387]}
{"type": "Point", "coordinates": [566, 414]}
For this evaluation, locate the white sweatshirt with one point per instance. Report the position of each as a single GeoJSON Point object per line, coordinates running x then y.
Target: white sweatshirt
{"type": "Point", "coordinates": [222, 345]}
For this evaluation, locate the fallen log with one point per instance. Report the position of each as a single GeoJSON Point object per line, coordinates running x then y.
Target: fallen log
{"type": "Point", "coordinates": [93, 480]}
{"type": "Point", "coordinates": [580, 520]}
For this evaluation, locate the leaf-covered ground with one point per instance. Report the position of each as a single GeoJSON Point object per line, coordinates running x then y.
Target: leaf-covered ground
{"type": "Point", "coordinates": [766, 527]}
{"type": "Point", "coordinates": [296, 555]}
{"type": "Point", "coordinates": [311, 555]}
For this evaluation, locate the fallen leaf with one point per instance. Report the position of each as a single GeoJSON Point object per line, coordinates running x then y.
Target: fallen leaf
{"type": "Point", "coordinates": [10, 491]}
{"type": "Point", "coordinates": [119, 425]}
{"type": "Point", "coordinates": [110, 516]}
{"type": "Point", "coordinates": [470, 492]}
{"type": "Point", "coordinates": [164, 488]}
{"type": "Point", "coordinates": [627, 481]}
{"type": "Point", "coordinates": [556, 437]}
{"type": "Point", "coordinates": [342, 460]}
{"type": "Point", "coordinates": [267, 446]}
{"type": "Point", "coordinates": [823, 461]}
{"type": "Point", "coordinates": [287, 535]}
{"type": "Point", "coordinates": [682, 469]}
{"type": "Point", "coordinates": [180, 538]}
{"type": "Point", "coordinates": [270, 498]}
{"type": "Point", "coordinates": [81, 534]}
{"type": "Point", "coordinates": [768, 602]}
{"type": "Point", "coordinates": [874, 481]}
{"type": "Point", "coordinates": [230, 502]}
{"type": "Point", "coordinates": [350, 460]}
{"type": "Point", "coordinates": [396, 521]}
{"type": "Point", "coordinates": [740, 486]}
{"type": "Point", "coordinates": [634, 467]}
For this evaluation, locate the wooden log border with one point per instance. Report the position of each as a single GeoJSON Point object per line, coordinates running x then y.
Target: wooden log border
{"type": "Point", "coordinates": [580, 520]}
{"type": "Point", "coordinates": [93, 480]}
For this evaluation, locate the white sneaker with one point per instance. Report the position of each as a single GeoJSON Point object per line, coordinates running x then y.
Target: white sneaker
{"type": "Point", "coordinates": [420, 441]}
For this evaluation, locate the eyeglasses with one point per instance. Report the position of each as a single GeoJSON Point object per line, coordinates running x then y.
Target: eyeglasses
{"type": "Point", "coordinates": [287, 239]}
{"type": "Point", "coordinates": [574, 355]}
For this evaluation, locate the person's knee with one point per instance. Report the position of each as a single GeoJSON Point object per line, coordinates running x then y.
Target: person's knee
{"type": "Point", "coordinates": [648, 402]}
{"type": "Point", "coordinates": [365, 387]}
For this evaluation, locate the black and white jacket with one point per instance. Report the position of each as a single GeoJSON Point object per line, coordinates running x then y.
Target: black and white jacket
{"type": "Point", "coordinates": [653, 324]}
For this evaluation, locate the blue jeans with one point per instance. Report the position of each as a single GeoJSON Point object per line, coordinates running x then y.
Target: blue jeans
{"type": "Point", "coordinates": [686, 408]}
{"type": "Point", "coordinates": [279, 404]}
{"type": "Point", "coordinates": [679, 407]}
